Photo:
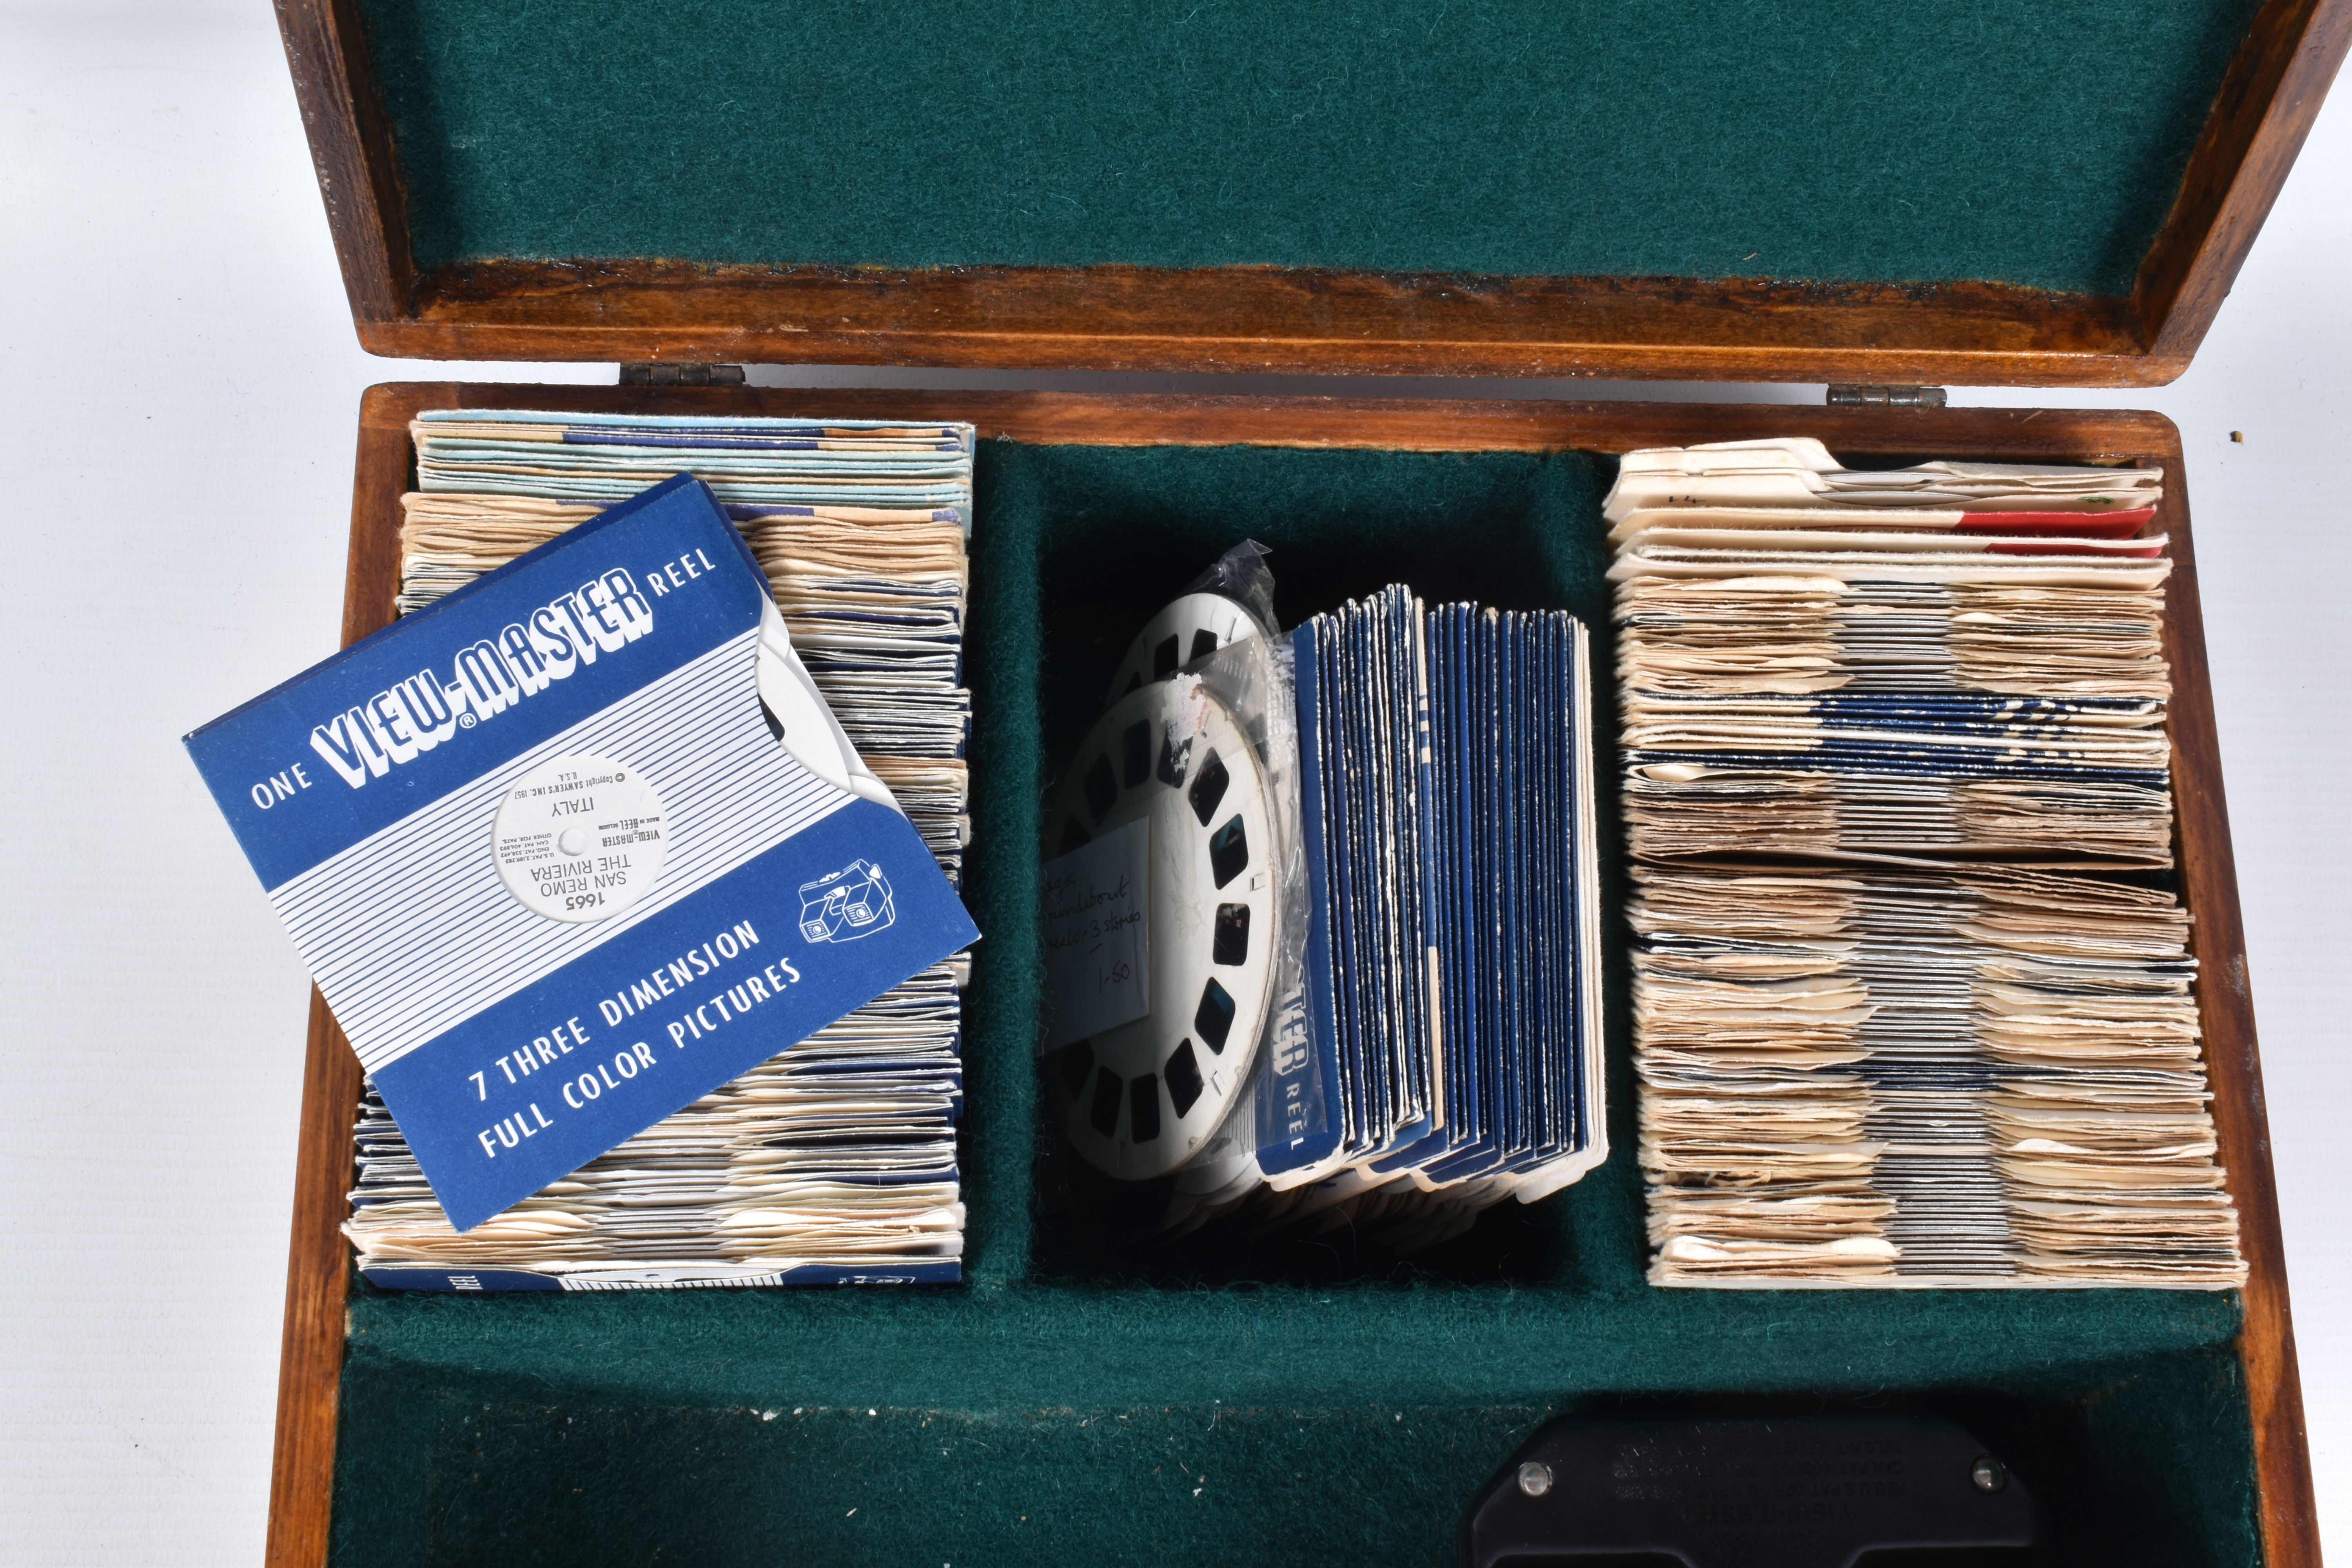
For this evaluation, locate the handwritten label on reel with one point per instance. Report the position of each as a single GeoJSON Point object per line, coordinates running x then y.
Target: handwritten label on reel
{"type": "Point", "coordinates": [1097, 935]}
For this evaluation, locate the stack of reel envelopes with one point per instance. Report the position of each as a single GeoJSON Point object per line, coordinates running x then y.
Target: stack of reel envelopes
{"type": "Point", "coordinates": [1914, 997]}
{"type": "Point", "coordinates": [835, 1160]}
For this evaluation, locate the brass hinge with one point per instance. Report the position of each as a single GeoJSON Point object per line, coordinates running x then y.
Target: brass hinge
{"type": "Point", "coordinates": [668, 374]}
{"type": "Point", "coordinates": [1887, 397]}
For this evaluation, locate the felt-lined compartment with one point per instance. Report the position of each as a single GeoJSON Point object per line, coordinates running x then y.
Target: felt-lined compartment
{"type": "Point", "coordinates": [2038, 142]}
{"type": "Point", "coordinates": [1080, 1403]}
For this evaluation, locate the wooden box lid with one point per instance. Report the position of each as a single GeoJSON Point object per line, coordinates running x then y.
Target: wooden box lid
{"type": "Point", "coordinates": [2033, 192]}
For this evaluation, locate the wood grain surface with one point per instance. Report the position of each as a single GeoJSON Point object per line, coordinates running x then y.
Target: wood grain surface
{"type": "Point", "coordinates": [2225, 1007]}
{"type": "Point", "coordinates": [318, 1265]}
{"type": "Point", "coordinates": [351, 151]}
{"type": "Point", "coordinates": [2265, 110]}
{"type": "Point", "coordinates": [1268, 319]}
{"type": "Point", "coordinates": [319, 1271]}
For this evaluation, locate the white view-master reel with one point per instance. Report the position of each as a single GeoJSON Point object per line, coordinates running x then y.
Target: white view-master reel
{"type": "Point", "coordinates": [1186, 632]}
{"type": "Point", "coordinates": [1140, 1099]}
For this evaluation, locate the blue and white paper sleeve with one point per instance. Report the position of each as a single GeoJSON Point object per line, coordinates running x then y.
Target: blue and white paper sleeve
{"type": "Point", "coordinates": [513, 1048]}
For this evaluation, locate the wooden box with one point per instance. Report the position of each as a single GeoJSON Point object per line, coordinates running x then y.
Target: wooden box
{"type": "Point", "coordinates": [1060, 1405]}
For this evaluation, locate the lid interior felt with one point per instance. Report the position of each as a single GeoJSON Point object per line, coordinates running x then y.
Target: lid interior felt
{"type": "Point", "coordinates": [2032, 142]}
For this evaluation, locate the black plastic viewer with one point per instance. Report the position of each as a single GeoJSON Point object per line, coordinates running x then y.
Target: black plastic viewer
{"type": "Point", "coordinates": [1815, 1492]}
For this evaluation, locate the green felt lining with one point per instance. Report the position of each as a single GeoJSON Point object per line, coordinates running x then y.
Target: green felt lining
{"type": "Point", "coordinates": [1064, 1403]}
{"type": "Point", "coordinates": [2028, 142]}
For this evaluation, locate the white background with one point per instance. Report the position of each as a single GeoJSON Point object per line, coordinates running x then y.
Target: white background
{"type": "Point", "coordinates": [178, 386]}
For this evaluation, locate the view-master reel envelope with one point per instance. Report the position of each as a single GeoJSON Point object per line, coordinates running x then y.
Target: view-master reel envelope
{"type": "Point", "coordinates": [550, 860]}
